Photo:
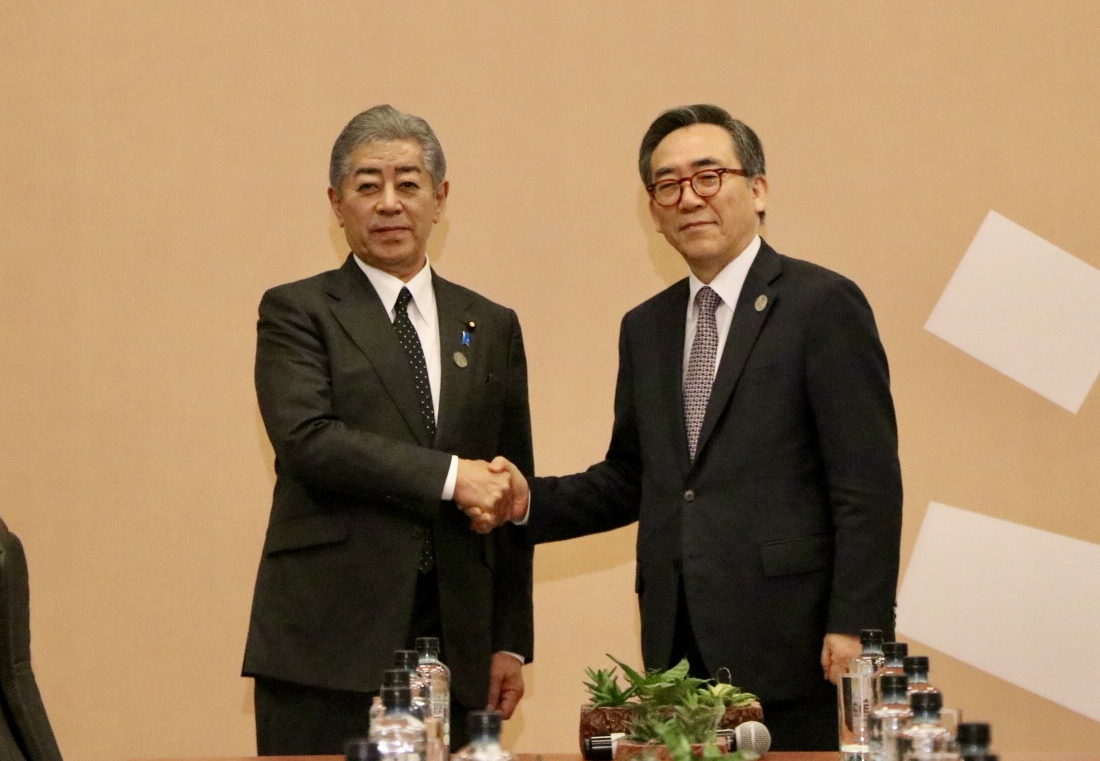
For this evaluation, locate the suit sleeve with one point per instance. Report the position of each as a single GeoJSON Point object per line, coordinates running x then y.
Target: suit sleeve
{"type": "Point", "coordinates": [606, 496]}
{"type": "Point", "coordinates": [513, 614]}
{"type": "Point", "coordinates": [849, 388]}
{"type": "Point", "coordinates": [315, 447]}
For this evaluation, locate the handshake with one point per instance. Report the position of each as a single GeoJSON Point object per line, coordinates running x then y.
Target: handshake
{"type": "Point", "coordinates": [491, 493]}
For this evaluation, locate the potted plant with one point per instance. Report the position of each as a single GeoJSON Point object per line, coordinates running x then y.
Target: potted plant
{"type": "Point", "coordinates": [609, 710]}
{"type": "Point", "coordinates": [667, 707]}
{"type": "Point", "coordinates": [682, 732]}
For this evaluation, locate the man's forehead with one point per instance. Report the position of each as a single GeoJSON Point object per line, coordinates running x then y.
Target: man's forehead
{"type": "Point", "coordinates": [694, 146]}
{"type": "Point", "coordinates": [407, 155]}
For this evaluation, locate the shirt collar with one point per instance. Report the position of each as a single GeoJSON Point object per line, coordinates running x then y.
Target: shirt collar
{"type": "Point", "coordinates": [388, 287]}
{"type": "Point", "coordinates": [727, 283]}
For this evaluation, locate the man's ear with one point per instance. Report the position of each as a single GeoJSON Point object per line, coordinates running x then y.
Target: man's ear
{"type": "Point", "coordinates": [759, 193]}
{"type": "Point", "coordinates": [334, 200]}
{"type": "Point", "coordinates": [441, 199]}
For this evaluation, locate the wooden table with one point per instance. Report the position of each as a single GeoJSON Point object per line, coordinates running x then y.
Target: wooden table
{"type": "Point", "coordinates": [777, 756]}
{"type": "Point", "coordinates": [774, 756]}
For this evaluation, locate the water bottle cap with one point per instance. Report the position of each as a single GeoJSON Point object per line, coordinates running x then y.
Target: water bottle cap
{"type": "Point", "coordinates": [894, 685]}
{"type": "Point", "coordinates": [926, 702]}
{"type": "Point", "coordinates": [396, 677]}
{"type": "Point", "coordinates": [915, 664]}
{"type": "Point", "coordinates": [395, 696]}
{"type": "Point", "coordinates": [895, 650]}
{"type": "Point", "coordinates": [973, 733]}
{"type": "Point", "coordinates": [483, 724]}
{"type": "Point", "coordinates": [406, 659]}
{"type": "Point", "coordinates": [427, 644]}
{"type": "Point", "coordinates": [871, 637]}
{"type": "Point", "coordinates": [361, 749]}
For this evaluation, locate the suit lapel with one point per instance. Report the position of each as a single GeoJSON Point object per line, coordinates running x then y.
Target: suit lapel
{"type": "Point", "coordinates": [359, 311]}
{"type": "Point", "coordinates": [453, 305]}
{"type": "Point", "coordinates": [755, 302]}
{"type": "Point", "coordinates": [668, 341]}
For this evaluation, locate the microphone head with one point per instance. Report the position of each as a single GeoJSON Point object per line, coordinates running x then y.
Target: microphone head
{"type": "Point", "coordinates": [752, 736]}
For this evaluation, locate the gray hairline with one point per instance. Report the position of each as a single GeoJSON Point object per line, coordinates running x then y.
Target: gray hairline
{"type": "Point", "coordinates": [385, 123]}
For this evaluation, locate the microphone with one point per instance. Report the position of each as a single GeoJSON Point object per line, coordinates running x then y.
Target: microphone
{"type": "Point", "coordinates": [750, 735]}
{"type": "Point", "coordinates": [601, 747]}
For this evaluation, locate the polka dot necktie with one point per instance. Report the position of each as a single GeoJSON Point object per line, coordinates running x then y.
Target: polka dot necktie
{"type": "Point", "coordinates": [700, 372]}
{"type": "Point", "coordinates": [410, 342]}
{"type": "Point", "coordinates": [414, 352]}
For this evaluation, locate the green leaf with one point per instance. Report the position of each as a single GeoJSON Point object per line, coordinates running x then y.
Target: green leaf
{"type": "Point", "coordinates": [711, 751]}
{"type": "Point", "coordinates": [677, 672]}
{"type": "Point", "coordinates": [672, 735]}
{"type": "Point", "coordinates": [604, 688]}
{"type": "Point", "coordinates": [632, 676]}
{"type": "Point", "coordinates": [676, 692]}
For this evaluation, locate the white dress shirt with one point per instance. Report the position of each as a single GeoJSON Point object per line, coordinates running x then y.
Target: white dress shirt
{"type": "Point", "coordinates": [425, 318]}
{"type": "Point", "coordinates": [727, 284]}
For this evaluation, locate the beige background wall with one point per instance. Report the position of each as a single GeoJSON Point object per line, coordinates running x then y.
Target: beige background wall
{"type": "Point", "coordinates": [165, 162]}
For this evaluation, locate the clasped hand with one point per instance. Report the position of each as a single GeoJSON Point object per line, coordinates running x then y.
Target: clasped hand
{"type": "Point", "coordinates": [490, 493]}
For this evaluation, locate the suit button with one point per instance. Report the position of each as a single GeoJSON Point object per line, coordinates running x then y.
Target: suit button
{"type": "Point", "coordinates": [689, 495]}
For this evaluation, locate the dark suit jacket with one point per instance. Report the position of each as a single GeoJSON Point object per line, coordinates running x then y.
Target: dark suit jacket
{"type": "Point", "coordinates": [358, 484]}
{"type": "Point", "coordinates": [787, 525]}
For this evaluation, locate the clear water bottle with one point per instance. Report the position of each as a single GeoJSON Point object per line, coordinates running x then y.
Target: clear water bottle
{"type": "Point", "coordinates": [484, 744]}
{"type": "Point", "coordinates": [438, 678]}
{"type": "Point", "coordinates": [925, 739]}
{"type": "Point", "coordinates": [421, 690]}
{"type": "Point", "coordinates": [398, 733]}
{"type": "Point", "coordinates": [857, 695]}
{"type": "Point", "coordinates": [888, 718]}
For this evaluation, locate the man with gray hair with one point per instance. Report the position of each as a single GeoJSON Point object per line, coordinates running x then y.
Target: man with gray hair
{"type": "Point", "coordinates": [385, 391]}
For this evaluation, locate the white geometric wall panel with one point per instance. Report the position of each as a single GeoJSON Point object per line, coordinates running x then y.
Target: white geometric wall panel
{"type": "Point", "coordinates": [1017, 602]}
{"type": "Point", "coordinates": [1026, 308]}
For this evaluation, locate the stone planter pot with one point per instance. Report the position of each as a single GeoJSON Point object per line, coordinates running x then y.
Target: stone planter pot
{"type": "Point", "coordinates": [626, 750]}
{"type": "Point", "coordinates": [604, 721]}
{"type": "Point", "coordinates": [735, 715]}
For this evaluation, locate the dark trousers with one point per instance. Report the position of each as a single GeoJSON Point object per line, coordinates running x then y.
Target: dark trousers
{"type": "Point", "coordinates": [300, 720]}
{"type": "Point", "coordinates": [803, 724]}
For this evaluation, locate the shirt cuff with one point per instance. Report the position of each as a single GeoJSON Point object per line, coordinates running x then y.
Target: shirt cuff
{"type": "Point", "coordinates": [452, 478]}
{"type": "Point", "coordinates": [517, 656]}
{"type": "Point", "coordinates": [526, 516]}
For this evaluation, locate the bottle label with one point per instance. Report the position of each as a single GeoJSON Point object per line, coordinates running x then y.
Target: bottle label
{"type": "Point", "coordinates": [855, 707]}
{"type": "Point", "coordinates": [439, 705]}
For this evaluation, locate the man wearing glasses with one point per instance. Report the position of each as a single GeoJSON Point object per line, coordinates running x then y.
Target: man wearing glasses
{"type": "Point", "coordinates": [754, 442]}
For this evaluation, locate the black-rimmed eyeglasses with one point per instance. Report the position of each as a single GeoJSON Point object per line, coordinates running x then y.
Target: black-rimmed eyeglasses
{"type": "Point", "coordinates": [705, 184]}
